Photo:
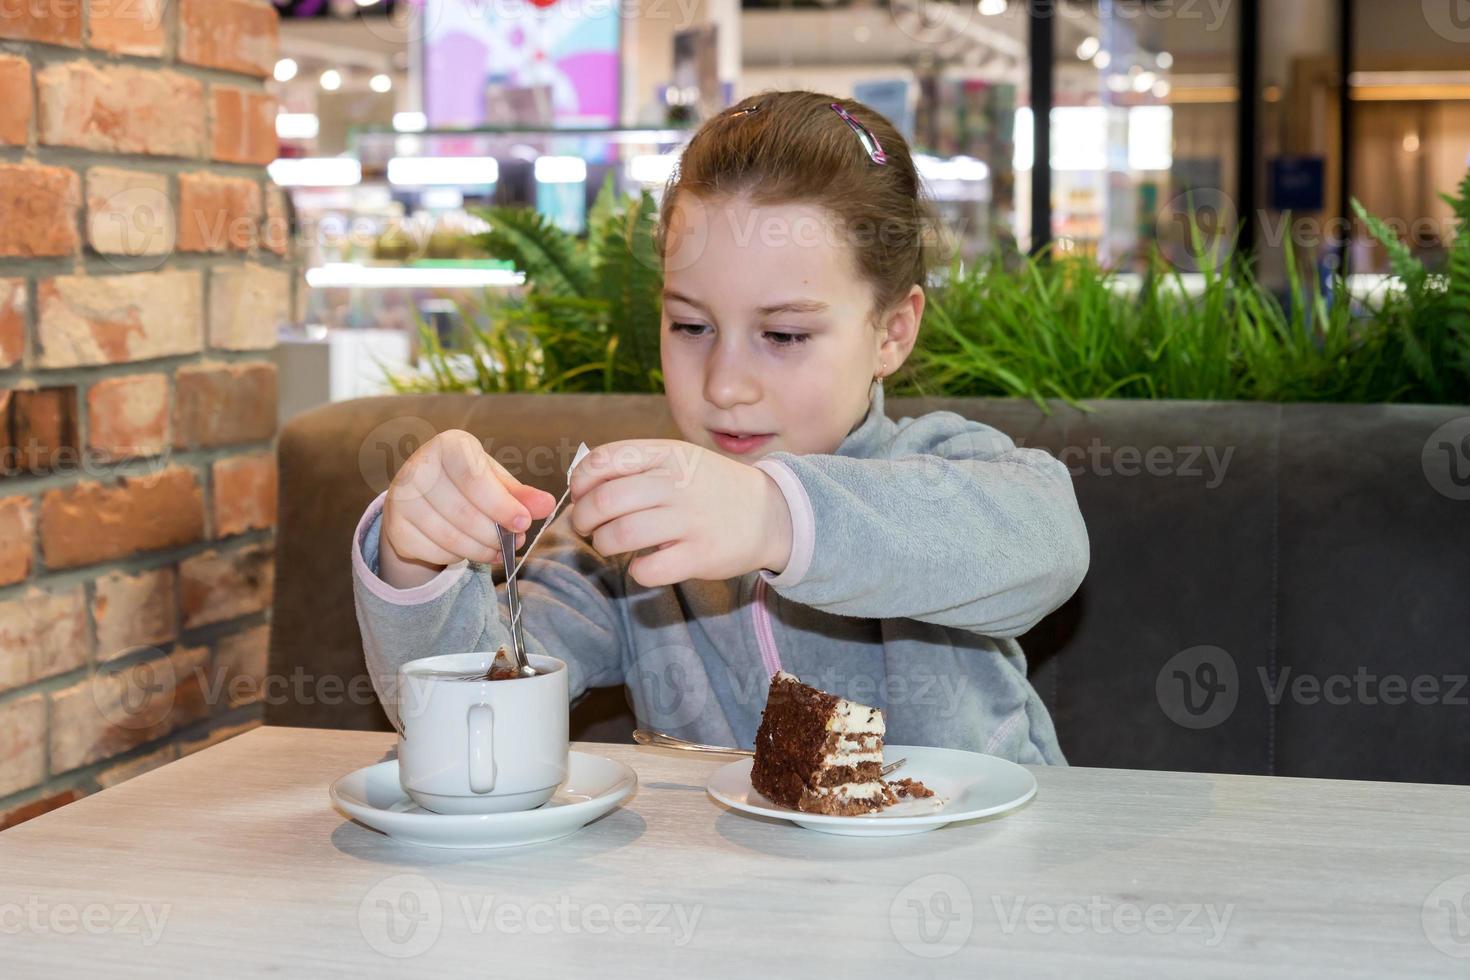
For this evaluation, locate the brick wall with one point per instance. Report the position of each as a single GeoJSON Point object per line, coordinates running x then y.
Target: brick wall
{"type": "Point", "coordinates": [143, 268]}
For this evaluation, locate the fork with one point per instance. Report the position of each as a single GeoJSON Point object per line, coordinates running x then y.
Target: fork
{"type": "Point", "coordinates": [646, 736]}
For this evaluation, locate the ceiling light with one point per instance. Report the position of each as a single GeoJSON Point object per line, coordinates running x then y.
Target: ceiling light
{"type": "Point", "coordinates": [331, 79]}
{"type": "Point", "coordinates": [286, 69]}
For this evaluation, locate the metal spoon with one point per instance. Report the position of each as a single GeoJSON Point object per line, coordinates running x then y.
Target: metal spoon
{"type": "Point", "coordinates": [517, 635]}
{"type": "Point", "coordinates": [646, 736]}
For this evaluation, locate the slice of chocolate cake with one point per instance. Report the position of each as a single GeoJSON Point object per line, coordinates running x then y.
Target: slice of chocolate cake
{"type": "Point", "coordinates": [819, 753]}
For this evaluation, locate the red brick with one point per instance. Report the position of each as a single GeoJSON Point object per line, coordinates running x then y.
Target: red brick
{"type": "Point", "coordinates": [127, 26]}
{"type": "Point", "coordinates": [123, 771]}
{"type": "Point", "coordinates": [240, 665]}
{"type": "Point", "coordinates": [42, 634]}
{"type": "Point", "coordinates": [244, 494]}
{"type": "Point", "coordinates": [134, 611]}
{"type": "Point", "coordinates": [244, 125]}
{"type": "Point", "coordinates": [18, 535]}
{"type": "Point", "coordinates": [28, 811]}
{"type": "Point", "coordinates": [217, 213]}
{"type": "Point", "coordinates": [38, 210]}
{"type": "Point", "coordinates": [12, 321]}
{"type": "Point", "coordinates": [121, 109]}
{"type": "Point", "coordinates": [114, 711]}
{"type": "Point", "coordinates": [276, 235]}
{"type": "Point", "coordinates": [43, 422]}
{"type": "Point", "coordinates": [110, 319]}
{"type": "Point", "coordinates": [218, 404]}
{"type": "Point", "coordinates": [247, 305]}
{"type": "Point", "coordinates": [216, 586]}
{"type": "Point", "coordinates": [46, 21]}
{"type": "Point", "coordinates": [128, 416]}
{"type": "Point", "coordinates": [236, 35]}
{"type": "Point", "coordinates": [22, 746]}
{"type": "Point", "coordinates": [129, 212]}
{"type": "Point", "coordinates": [90, 522]}
{"type": "Point", "coordinates": [15, 99]}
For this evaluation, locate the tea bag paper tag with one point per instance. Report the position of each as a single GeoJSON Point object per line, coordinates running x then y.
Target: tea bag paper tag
{"type": "Point", "coordinates": [582, 452]}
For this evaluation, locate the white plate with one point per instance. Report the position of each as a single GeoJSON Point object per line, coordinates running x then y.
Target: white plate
{"type": "Point", "coordinates": [965, 784]}
{"type": "Point", "coordinates": [594, 785]}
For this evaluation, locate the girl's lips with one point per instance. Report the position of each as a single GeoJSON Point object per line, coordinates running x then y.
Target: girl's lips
{"type": "Point", "coordinates": [739, 444]}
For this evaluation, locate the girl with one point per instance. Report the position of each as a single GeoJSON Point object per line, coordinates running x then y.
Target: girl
{"type": "Point", "coordinates": [795, 526]}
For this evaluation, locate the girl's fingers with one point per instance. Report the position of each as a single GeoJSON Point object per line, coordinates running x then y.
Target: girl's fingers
{"type": "Point", "coordinates": [618, 498]}
{"type": "Point", "coordinates": [409, 543]}
{"type": "Point", "coordinates": [446, 501]}
{"type": "Point", "coordinates": [483, 481]}
{"type": "Point", "coordinates": [618, 459]}
{"type": "Point", "coordinates": [633, 532]}
{"type": "Point", "coordinates": [450, 538]}
{"type": "Point", "coordinates": [666, 566]}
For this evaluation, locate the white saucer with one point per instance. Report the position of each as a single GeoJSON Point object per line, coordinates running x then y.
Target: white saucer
{"type": "Point", "coordinates": [594, 785]}
{"type": "Point", "coordinates": [965, 784]}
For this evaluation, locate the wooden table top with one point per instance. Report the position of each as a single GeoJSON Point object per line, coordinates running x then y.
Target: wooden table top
{"type": "Point", "coordinates": [233, 862]}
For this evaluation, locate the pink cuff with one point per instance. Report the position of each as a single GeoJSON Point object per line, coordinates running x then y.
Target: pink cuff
{"type": "Point", "coordinates": [432, 589]}
{"type": "Point", "coordinates": [803, 524]}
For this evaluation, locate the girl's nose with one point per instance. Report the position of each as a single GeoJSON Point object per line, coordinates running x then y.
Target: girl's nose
{"type": "Point", "coordinates": [730, 379]}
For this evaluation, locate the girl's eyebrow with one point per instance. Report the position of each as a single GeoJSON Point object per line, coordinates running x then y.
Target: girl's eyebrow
{"type": "Point", "coordinates": [791, 306]}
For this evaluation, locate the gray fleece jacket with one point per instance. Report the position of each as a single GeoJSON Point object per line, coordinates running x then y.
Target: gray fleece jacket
{"type": "Point", "coordinates": [921, 549]}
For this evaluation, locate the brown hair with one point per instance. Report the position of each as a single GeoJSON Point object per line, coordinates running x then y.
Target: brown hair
{"type": "Point", "coordinates": [796, 149]}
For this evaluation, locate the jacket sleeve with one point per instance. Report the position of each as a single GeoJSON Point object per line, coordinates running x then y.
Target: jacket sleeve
{"type": "Point", "coordinates": [956, 525]}
{"type": "Point", "coordinates": [571, 609]}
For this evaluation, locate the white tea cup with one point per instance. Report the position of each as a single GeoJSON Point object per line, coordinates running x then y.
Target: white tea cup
{"type": "Point", "coordinates": [469, 745]}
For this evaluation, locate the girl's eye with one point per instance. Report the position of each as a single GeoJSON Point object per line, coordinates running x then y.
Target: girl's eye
{"type": "Point", "coordinates": [692, 329]}
{"type": "Point", "coordinates": [786, 339]}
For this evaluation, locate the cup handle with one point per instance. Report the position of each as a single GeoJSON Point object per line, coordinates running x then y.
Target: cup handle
{"type": "Point", "coordinates": [482, 748]}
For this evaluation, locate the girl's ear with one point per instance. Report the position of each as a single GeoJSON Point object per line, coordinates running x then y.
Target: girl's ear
{"type": "Point", "coordinates": [901, 329]}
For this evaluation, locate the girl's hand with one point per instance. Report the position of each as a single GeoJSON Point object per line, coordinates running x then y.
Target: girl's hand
{"type": "Point", "coordinates": [708, 516]}
{"type": "Point", "coordinates": [443, 506]}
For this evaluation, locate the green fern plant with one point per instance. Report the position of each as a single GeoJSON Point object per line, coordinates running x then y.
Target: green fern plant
{"type": "Point", "coordinates": [1062, 329]}
{"type": "Point", "coordinates": [589, 317]}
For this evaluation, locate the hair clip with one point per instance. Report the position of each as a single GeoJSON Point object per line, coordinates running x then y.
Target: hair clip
{"type": "Point", "coordinates": [865, 136]}
{"type": "Point", "coordinates": [747, 110]}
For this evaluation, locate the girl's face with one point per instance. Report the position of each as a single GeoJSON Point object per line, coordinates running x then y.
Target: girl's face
{"type": "Point", "coordinates": [766, 330]}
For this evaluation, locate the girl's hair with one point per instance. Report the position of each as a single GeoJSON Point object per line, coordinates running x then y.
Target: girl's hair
{"type": "Point", "coordinates": [794, 148]}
